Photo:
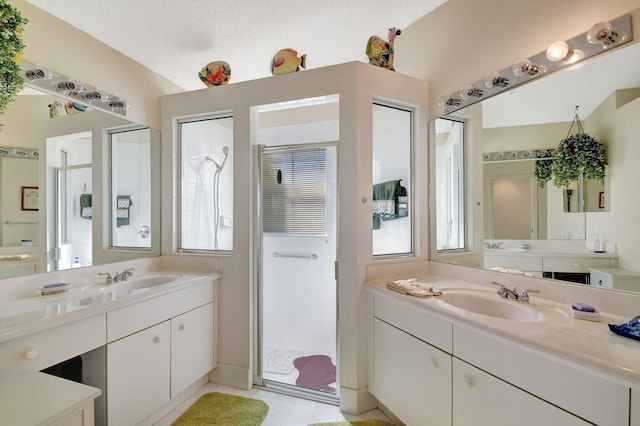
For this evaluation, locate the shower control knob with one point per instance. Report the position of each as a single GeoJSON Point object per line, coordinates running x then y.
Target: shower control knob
{"type": "Point", "coordinates": [31, 354]}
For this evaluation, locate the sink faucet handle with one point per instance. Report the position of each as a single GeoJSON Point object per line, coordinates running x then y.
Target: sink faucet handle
{"type": "Point", "coordinates": [109, 276]}
{"type": "Point", "coordinates": [502, 290]}
{"type": "Point", "coordinates": [523, 295]}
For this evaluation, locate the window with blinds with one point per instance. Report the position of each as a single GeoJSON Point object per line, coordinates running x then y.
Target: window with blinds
{"type": "Point", "coordinates": [294, 190]}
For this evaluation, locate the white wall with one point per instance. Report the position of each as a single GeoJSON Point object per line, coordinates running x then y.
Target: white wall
{"type": "Point", "coordinates": [356, 84]}
{"type": "Point", "coordinates": [69, 51]}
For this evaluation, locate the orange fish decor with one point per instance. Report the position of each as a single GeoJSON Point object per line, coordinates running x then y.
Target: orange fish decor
{"type": "Point", "coordinates": [380, 52]}
{"type": "Point", "coordinates": [286, 61]}
{"type": "Point", "coordinates": [215, 74]}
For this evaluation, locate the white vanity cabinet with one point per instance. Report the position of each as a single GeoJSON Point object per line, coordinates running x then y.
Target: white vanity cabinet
{"type": "Point", "coordinates": [411, 377]}
{"type": "Point", "coordinates": [427, 369]}
{"type": "Point", "coordinates": [138, 375]}
{"type": "Point", "coordinates": [635, 407]}
{"type": "Point", "coordinates": [543, 376]}
{"type": "Point", "coordinates": [482, 399]}
{"type": "Point", "coordinates": [157, 348]}
{"type": "Point", "coordinates": [192, 347]}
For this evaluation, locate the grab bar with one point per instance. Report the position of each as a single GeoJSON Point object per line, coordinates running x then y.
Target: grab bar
{"type": "Point", "coordinates": [21, 222]}
{"type": "Point", "coordinates": [295, 255]}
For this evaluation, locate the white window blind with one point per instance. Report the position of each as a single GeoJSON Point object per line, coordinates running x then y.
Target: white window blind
{"type": "Point", "coordinates": [294, 192]}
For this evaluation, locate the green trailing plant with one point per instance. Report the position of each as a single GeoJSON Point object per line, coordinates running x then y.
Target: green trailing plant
{"type": "Point", "coordinates": [11, 48]}
{"type": "Point", "coordinates": [578, 155]}
{"type": "Point", "coordinates": [543, 171]}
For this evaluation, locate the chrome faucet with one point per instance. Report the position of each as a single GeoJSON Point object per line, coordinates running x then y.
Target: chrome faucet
{"type": "Point", "coordinates": [513, 293]}
{"type": "Point", "coordinates": [117, 276]}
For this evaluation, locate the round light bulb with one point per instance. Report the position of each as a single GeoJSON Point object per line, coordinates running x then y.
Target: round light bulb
{"type": "Point", "coordinates": [558, 51]}
{"type": "Point", "coordinates": [496, 80]}
{"type": "Point", "coordinates": [525, 67]}
{"type": "Point", "coordinates": [602, 32]}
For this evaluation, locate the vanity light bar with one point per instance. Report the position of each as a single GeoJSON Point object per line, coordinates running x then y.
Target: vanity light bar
{"type": "Point", "coordinates": [29, 154]}
{"type": "Point", "coordinates": [602, 36]}
{"type": "Point", "coordinates": [529, 154]}
{"type": "Point", "coordinates": [40, 78]}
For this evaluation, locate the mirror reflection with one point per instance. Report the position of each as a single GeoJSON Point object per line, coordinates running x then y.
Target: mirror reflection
{"type": "Point", "coordinates": [70, 142]}
{"type": "Point", "coordinates": [587, 228]}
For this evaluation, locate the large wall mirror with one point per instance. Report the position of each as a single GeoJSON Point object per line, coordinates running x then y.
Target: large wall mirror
{"type": "Point", "coordinates": [88, 171]}
{"type": "Point", "coordinates": [536, 117]}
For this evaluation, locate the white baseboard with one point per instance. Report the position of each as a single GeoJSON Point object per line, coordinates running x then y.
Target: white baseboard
{"type": "Point", "coordinates": [230, 375]}
{"type": "Point", "coordinates": [356, 401]}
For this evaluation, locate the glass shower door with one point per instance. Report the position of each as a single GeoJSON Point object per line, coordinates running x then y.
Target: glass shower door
{"type": "Point", "coordinates": [297, 286]}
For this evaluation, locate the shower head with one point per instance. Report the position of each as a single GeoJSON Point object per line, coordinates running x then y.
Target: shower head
{"type": "Point", "coordinates": [225, 150]}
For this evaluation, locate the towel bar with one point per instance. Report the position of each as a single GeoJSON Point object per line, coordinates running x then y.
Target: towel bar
{"type": "Point", "coordinates": [295, 255]}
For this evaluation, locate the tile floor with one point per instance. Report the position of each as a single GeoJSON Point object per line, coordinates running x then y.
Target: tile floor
{"type": "Point", "coordinates": [283, 410]}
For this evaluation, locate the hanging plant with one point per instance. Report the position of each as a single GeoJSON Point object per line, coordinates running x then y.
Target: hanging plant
{"type": "Point", "coordinates": [11, 47]}
{"type": "Point", "coordinates": [542, 171]}
{"type": "Point", "coordinates": [578, 154]}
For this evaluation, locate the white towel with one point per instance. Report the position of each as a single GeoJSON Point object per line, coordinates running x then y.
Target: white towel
{"type": "Point", "coordinates": [13, 257]}
{"type": "Point", "coordinates": [413, 287]}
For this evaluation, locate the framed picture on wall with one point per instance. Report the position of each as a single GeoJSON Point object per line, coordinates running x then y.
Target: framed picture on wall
{"type": "Point", "coordinates": [30, 198]}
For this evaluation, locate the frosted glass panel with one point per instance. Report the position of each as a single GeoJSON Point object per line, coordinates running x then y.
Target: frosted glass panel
{"type": "Point", "coordinates": [206, 191]}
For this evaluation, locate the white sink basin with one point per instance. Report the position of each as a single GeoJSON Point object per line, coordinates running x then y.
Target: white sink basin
{"type": "Point", "coordinates": [506, 249]}
{"type": "Point", "coordinates": [136, 282]}
{"type": "Point", "coordinates": [491, 305]}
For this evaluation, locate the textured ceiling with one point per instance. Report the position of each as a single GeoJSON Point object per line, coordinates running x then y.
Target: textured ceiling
{"type": "Point", "coordinates": [176, 38]}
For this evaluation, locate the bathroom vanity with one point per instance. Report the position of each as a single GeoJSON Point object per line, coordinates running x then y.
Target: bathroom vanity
{"type": "Point", "coordinates": [143, 342]}
{"type": "Point", "coordinates": [469, 357]}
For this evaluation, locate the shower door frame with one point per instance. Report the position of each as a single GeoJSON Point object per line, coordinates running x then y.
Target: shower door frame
{"type": "Point", "coordinates": [258, 379]}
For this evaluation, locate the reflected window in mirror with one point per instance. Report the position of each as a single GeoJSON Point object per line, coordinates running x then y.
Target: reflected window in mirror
{"type": "Point", "coordinates": [450, 187]}
{"type": "Point", "coordinates": [130, 188]}
{"type": "Point", "coordinates": [206, 190]}
{"type": "Point", "coordinates": [392, 171]}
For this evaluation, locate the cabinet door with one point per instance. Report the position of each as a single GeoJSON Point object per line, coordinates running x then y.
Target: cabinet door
{"type": "Point", "coordinates": [138, 375]}
{"type": "Point", "coordinates": [192, 348]}
{"type": "Point", "coordinates": [411, 378]}
{"type": "Point", "coordinates": [482, 399]}
{"type": "Point", "coordinates": [635, 407]}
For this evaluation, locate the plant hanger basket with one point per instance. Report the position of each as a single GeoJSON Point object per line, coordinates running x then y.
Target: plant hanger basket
{"type": "Point", "coordinates": [578, 155]}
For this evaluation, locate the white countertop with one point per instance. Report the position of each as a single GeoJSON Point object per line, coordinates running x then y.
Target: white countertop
{"type": "Point", "coordinates": [33, 398]}
{"type": "Point", "coordinates": [553, 253]}
{"type": "Point", "coordinates": [33, 312]}
{"type": "Point", "coordinates": [585, 344]}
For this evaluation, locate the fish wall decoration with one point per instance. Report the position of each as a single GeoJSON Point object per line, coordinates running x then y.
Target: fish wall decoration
{"type": "Point", "coordinates": [286, 61]}
{"type": "Point", "coordinates": [215, 73]}
{"type": "Point", "coordinates": [380, 52]}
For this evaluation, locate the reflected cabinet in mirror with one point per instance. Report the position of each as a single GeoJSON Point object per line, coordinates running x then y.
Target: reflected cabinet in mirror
{"type": "Point", "coordinates": [82, 166]}
{"type": "Point", "coordinates": [578, 232]}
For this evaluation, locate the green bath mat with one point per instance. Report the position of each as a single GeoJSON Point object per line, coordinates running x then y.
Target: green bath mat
{"type": "Point", "coordinates": [366, 422]}
{"type": "Point", "coordinates": [222, 409]}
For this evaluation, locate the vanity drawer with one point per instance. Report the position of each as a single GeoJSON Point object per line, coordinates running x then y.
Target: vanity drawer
{"type": "Point", "coordinates": [415, 321]}
{"type": "Point", "coordinates": [130, 319]}
{"type": "Point", "coordinates": [552, 379]}
{"type": "Point", "coordinates": [48, 347]}
{"type": "Point", "coordinates": [573, 264]}
{"type": "Point", "coordinates": [598, 279]}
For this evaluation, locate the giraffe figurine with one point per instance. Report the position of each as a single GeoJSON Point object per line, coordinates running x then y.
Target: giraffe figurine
{"type": "Point", "coordinates": [380, 52]}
